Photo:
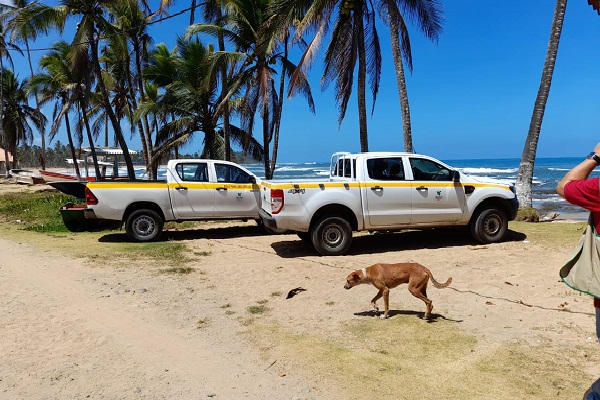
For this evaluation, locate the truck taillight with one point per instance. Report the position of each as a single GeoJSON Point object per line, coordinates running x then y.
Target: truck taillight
{"type": "Point", "coordinates": [90, 199]}
{"type": "Point", "coordinates": [276, 200]}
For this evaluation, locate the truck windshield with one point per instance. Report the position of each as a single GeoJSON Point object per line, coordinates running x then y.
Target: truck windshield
{"type": "Point", "coordinates": [427, 170]}
{"type": "Point", "coordinates": [232, 174]}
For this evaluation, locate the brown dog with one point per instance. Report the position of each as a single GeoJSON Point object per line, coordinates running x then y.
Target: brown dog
{"type": "Point", "coordinates": [387, 276]}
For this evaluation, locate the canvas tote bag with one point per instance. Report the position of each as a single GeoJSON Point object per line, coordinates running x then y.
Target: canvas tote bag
{"type": "Point", "coordinates": [582, 271]}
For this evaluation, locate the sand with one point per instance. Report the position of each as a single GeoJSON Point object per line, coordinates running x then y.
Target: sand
{"type": "Point", "coordinates": [76, 328]}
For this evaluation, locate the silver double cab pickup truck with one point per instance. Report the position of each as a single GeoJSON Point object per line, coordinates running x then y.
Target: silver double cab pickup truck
{"type": "Point", "coordinates": [373, 191]}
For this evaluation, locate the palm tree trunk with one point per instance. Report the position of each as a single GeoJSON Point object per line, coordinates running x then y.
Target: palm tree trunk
{"type": "Point", "coordinates": [362, 79]}
{"type": "Point", "coordinates": [266, 137]}
{"type": "Point", "coordinates": [72, 147]}
{"type": "Point", "coordinates": [224, 90]}
{"type": "Point", "coordinates": [279, 109]}
{"type": "Point", "coordinates": [525, 174]}
{"type": "Point", "coordinates": [140, 126]}
{"type": "Point", "coordinates": [83, 110]}
{"type": "Point", "coordinates": [401, 81]}
{"type": "Point", "coordinates": [2, 135]}
{"type": "Point", "coordinates": [38, 107]}
{"type": "Point", "coordinates": [148, 132]}
{"type": "Point", "coordinates": [105, 99]}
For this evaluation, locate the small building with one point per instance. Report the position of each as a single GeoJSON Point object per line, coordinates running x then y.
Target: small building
{"type": "Point", "coordinates": [3, 167]}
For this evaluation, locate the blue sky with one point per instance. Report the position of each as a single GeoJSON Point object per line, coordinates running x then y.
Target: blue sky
{"type": "Point", "coordinates": [471, 94]}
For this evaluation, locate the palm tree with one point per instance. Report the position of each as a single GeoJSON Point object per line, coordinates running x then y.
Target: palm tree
{"type": "Point", "coordinates": [17, 114]}
{"type": "Point", "coordinates": [354, 40]}
{"type": "Point", "coordinates": [525, 175]}
{"type": "Point", "coordinates": [22, 30]}
{"type": "Point", "coordinates": [133, 21]}
{"type": "Point", "coordinates": [428, 16]}
{"type": "Point", "coordinates": [4, 53]}
{"type": "Point", "coordinates": [93, 26]}
{"type": "Point", "coordinates": [190, 95]}
{"type": "Point", "coordinates": [256, 39]}
{"type": "Point", "coordinates": [212, 12]}
{"type": "Point", "coordinates": [58, 85]}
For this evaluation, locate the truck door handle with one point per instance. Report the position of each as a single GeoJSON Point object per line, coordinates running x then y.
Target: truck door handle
{"type": "Point", "coordinates": [222, 189]}
{"type": "Point", "coordinates": [377, 189]}
{"type": "Point", "coordinates": [181, 188]}
{"type": "Point", "coordinates": [422, 189]}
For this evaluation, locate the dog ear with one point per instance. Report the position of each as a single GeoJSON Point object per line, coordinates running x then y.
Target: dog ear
{"type": "Point", "coordinates": [355, 276]}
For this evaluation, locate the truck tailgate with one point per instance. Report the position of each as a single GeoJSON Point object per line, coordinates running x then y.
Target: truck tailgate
{"type": "Point", "coordinates": [115, 197]}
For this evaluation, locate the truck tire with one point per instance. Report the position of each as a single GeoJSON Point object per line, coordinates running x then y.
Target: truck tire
{"type": "Point", "coordinates": [144, 226]}
{"type": "Point", "coordinates": [489, 225]}
{"type": "Point", "coordinates": [331, 236]}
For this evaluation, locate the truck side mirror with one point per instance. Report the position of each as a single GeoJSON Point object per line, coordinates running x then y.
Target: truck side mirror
{"type": "Point", "coordinates": [252, 179]}
{"type": "Point", "coordinates": [455, 175]}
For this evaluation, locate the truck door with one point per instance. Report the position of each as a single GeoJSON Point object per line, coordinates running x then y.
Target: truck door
{"type": "Point", "coordinates": [236, 193]}
{"type": "Point", "coordinates": [192, 196]}
{"type": "Point", "coordinates": [387, 193]}
{"type": "Point", "coordinates": [435, 196]}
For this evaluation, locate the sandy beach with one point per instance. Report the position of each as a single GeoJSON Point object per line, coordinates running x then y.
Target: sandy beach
{"type": "Point", "coordinates": [78, 321]}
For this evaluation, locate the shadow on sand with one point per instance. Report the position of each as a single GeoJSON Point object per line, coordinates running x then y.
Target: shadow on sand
{"type": "Point", "coordinates": [224, 232]}
{"type": "Point", "coordinates": [386, 242]}
{"type": "Point", "coordinates": [433, 317]}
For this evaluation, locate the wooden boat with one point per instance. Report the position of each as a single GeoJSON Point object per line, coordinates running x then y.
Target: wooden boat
{"type": "Point", "coordinates": [50, 176]}
{"type": "Point", "coordinates": [26, 177]}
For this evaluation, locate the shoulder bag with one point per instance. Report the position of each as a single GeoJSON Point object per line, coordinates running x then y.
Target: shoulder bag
{"type": "Point", "coordinates": [582, 271]}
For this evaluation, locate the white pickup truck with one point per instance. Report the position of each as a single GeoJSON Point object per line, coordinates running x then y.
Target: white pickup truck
{"type": "Point", "coordinates": [386, 192]}
{"type": "Point", "coordinates": [193, 190]}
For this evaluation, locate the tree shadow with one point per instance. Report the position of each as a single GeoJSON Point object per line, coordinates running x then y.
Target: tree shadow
{"type": "Point", "coordinates": [520, 302]}
{"type": "Point", "coordinates": [384, 242]}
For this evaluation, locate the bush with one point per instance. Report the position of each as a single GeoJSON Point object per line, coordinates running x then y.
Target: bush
{"type": "Point", "coordinates": [528, 214]}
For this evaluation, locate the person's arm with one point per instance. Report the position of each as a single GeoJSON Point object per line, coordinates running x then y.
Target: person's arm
{"type": "Point", "coordinates": [579, 172]}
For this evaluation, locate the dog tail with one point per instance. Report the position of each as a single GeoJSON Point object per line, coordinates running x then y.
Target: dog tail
{"type": "Point", "coordinates": [436, 283]}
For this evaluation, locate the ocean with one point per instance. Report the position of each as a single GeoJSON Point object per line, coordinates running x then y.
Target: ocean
{"type": "Point", "coordinates": [547, 173]}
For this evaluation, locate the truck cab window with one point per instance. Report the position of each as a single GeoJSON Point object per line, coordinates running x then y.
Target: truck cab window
{"type": "Point", "coordinates": [191, 172]}
{"type": "Point", "coordinates": [427, 170]}
{"type": "Point", "coordinates": [343, 168]}
{"type": "Point", "coordinates": [385, 169]}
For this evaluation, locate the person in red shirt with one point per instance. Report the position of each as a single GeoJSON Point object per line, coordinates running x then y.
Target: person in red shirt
{"type": "Point", "coordinates": [579, 189]}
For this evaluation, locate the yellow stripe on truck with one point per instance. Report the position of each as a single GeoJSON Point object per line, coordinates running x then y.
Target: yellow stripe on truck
{"type": "Point", "coordinates": [162, 185]}
{"type": "Point", "coordinates": [326, 185]}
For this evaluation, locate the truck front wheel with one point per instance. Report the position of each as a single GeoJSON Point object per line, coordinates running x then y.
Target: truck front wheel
{"type": "Point", "coordinates": [489, 225]}
{"type": "Point", "coordinates": [144, 226]}
{"type": "Point", "coordinates": [332, 236]}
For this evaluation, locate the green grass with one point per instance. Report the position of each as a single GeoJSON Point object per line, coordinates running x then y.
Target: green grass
{"type": "Point", "coordinates": [407, 358]}
{"type": "Point", "coordinates": [35, 216]}
{"type": "Point", "coordinates": [259, 308]}
{"type": "Point", "coordinates": [550, 233]}
{"type": "Point", "coordinates": [35, 211]}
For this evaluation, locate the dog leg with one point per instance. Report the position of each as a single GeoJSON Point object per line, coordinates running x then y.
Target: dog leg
{"type": "Point", "coordinates": [386, 303]}
{"type": "Point", "coordinates": [374, 301]}
{"type": "Point", "coordinates": [421, 293]}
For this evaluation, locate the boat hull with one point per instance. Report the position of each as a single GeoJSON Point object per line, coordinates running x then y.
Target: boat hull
{"type": "Point", "coordinates": [50, 176]}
